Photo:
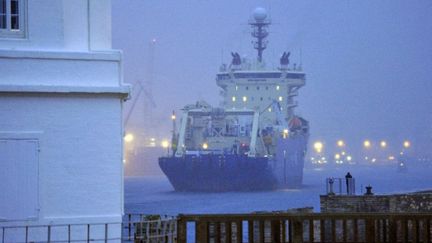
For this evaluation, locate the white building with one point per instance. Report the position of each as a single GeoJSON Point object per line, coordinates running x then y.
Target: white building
{"type": "Point", "coordinates": [61, 98]}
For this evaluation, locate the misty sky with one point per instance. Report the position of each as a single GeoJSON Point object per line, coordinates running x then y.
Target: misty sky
{"type": "Point", "coordinates": [368, 63]}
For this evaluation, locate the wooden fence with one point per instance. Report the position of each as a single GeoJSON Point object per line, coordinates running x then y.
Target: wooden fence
{"type": "Point", "coordinates": [306, 227]}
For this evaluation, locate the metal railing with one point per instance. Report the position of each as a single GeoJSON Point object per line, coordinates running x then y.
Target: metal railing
{"type": "Point", "coordinates": [137, 228]}
{"type": "Point", "coordinates": [310, 227]}
{"type": "Point", "coordinates": [60, 233]}
{"type": "Point", "coordinates": [340, 186]}
{"type": "Point", "coordinates": [144, 228]}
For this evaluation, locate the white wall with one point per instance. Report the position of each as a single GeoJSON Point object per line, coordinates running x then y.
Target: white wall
{"type": "Point", "coordinates": [69, 25]}
{"type": "Point", "coordinates": [62, 86]}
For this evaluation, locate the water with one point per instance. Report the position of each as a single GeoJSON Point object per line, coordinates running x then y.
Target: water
{"type": "Point", "coordinates": [154, 195]}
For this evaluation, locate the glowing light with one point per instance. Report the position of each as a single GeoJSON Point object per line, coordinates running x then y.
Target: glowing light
{"type": "Point", "coordinates": [124, 161]}
{"type": "Point", "coordinates": [391, 157]}
{"type": "Point", "coordinates": [340, 143]}
{"type": "Point", "coordinates": [277, 87]}
{"type": "Point", "coordinates": [165, 144]}
{"type": "Point", "coordinates": [270, 109]}
{"type": "Point", "coordinates": [348, 158]}
{"type": "Point", "coordinates": [343, 152]}
{"type": "Point", "coordinates": [128, 137]}
{"type": "Point", "coordinates": [337, 156]}
{"type": "Point", "coordinates": [407, 144]}
{"type": "Point", "coordinates": [366, 144]}
{"type": "Point", "coordinates": [285, 133]}
{"type": "Point", "coordinates": [173, 117]}
{"type": "Point", "coordinates": [373, 160]}
{"type": "Point", "coordinates": [233, 99]}
{"type": "Point", "coordinates": [153, 139]}
{"type": "Point", "coordinates": [205, 146]}
{"type": "Point", "coordinates": [244, 98]}
{"type": "Point", "coordinates": [383, 144]}
{"type": "Point", "coordinates": [280, 98]}
{"type": "Point", "coordinates": [236, 88]}
{"type": "Point", "coordinates": [318, 146]}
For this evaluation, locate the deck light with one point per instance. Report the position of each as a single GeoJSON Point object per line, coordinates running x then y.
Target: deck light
{"type": "Point", "coordinates": [129, 137]}
{"type": "Point", "coordinates": [383, 144]}
{"type": "Point", "coordinates": [165, 144]}
{"type": "Point", "coordinates": [407, 144]}
{"type": "Point", "coordinates": [244, 98]}
{"type": "Point", "coordinates": [205, 146]}
{"type": "Point", "coordinates": [340, 143]}
{"type": "Point", "coordinates": [233, 99]}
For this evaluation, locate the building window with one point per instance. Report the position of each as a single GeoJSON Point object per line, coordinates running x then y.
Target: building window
{"type": "Point", "coordinates": [12, 18]}
{"type": "Point", "coordinates": [258, 87]}
{"type": "Point", "coordinates": [247, 87]}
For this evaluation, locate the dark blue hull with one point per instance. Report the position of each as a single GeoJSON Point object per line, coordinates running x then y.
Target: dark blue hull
{"type": "Point", "coordinates": [216, 173]}
{"type": "Point", "coordinates": [230, 172]}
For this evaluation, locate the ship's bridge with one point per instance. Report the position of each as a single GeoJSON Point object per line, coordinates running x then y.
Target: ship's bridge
{"type": "Point", "coordinates": [258, 89]}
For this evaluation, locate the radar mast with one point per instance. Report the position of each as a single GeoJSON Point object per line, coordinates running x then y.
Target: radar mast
{"type": "Point", "coordinates": [259, 24]}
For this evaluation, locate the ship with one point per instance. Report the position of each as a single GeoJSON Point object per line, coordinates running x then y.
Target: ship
{"type": "Point", "coordinates": [253, 140]}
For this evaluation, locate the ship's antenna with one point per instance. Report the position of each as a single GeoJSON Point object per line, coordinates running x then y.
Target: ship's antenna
{"type": "Point", "coordinates": [301, 57]}
{"type": "Point", "coordinates": [259, 25]}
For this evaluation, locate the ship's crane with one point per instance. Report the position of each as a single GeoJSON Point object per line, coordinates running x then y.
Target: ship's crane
{"type": "Point", "coordinates": [280, 120]}
{"type": "Point", "coordinates": [140, 89]}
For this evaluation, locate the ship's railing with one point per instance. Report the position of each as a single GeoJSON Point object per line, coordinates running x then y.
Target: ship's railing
{"type": "Point", "coordinates": [306, 227]}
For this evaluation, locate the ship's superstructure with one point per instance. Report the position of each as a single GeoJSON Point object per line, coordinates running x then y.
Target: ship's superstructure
{"type": "Point", "coordinates": [254, 141]}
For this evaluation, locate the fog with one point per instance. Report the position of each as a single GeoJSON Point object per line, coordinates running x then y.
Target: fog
{"type": "Point", "coordinates": [368, 63]}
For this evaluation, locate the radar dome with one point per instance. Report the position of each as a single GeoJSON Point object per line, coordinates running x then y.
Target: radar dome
{"type": "Point", "coordinates": [259, 14]}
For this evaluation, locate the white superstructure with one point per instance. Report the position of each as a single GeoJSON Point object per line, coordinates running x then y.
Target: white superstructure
{"type": "Point", "coordinates": [61, 135]}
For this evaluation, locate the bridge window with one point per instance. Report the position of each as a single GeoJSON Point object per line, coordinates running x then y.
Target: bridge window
{"type": "Point", "coordinates": [12, 17]}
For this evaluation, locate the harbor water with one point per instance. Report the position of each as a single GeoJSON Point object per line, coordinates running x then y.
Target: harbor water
{"type": "Point", "coordinates": [155, 195]}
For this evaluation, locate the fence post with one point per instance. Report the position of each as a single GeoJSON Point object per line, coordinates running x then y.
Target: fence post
{"type": "Point", "coordinates": [275, 231]}
{"type": "Point", "coordinates": [239, 227]}
{"type": "Point", "coordinates": [49, 234]}
{"type": "Point", "coordinates": [202, 231]}
{"type": "Point", "coordinates": [181, 230]}
{"type": "Point", "coordinates": [298, 230]}
{"type": "Point", "coordinates": [370, 230]}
